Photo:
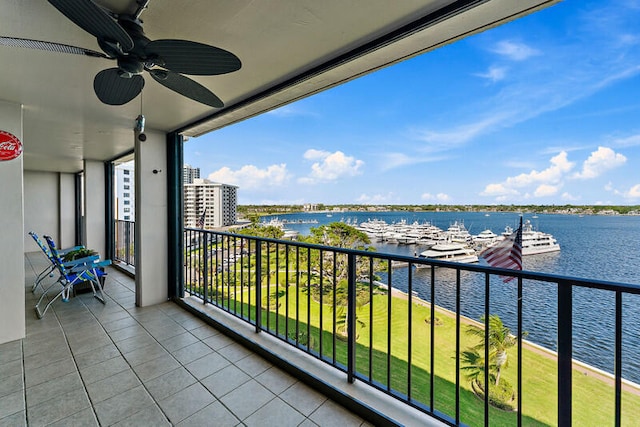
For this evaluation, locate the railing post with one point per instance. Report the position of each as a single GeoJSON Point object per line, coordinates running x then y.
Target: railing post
{"type": "Point", "coordinates": [565, 344]}
{"type": "Point", "coordinates": [259, 286]}
{"type": "Point", "coordinates": [127, 242]}
{"type": "Point", "coordinates": [351, 318]}
{"type": "Point", "coordinates": [205, 267]}
{"type": "Point", "coordinates": [618, 362]}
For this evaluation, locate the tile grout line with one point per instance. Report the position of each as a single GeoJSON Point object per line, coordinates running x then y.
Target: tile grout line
{"type": "Point", "coordinates": [73, 357]}
{"type": "Point", "coordinates": [123, 356]}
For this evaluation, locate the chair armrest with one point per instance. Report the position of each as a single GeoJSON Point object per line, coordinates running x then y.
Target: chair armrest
{"type": "Point", "coordinates": [63, 252]}
{"type": "Point", "coordinates": [86, 260]}
{"type": "Point", "coordinates": [90, 266]}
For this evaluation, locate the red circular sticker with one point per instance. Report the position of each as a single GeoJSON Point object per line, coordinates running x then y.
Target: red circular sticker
{"type": "Point", "coordinates": [10, 146]}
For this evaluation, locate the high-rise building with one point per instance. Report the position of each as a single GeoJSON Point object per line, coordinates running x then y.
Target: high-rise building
{"type": "Point", "coordinates": [189, 174]}
{"type": "Point", "coordinates": [217, 202]}
{"type": "Point", "coordinates": [125, 190]}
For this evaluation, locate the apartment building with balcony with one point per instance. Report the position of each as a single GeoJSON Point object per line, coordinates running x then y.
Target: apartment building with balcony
{"type": "Point", "coordinates": [189, 173]}
{"type": "Point", "coordinates": [125, 191]}
{"type": "Point", "coordinates": [213, 203]}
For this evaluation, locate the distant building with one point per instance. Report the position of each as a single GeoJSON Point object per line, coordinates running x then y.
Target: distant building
{"type": "Point", "coordinates": [218, 202]}
{"type": "Point", "coordinates": [125, 189]}
{"type": "Point", "coordinates": [189, 174]}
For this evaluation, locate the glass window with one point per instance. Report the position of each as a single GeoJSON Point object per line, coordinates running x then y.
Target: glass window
{"type": "Point", "coordinates": [125, 179]}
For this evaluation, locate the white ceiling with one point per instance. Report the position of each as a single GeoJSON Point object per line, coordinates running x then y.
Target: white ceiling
{"type": "Point", "coordinates": [289, 50]}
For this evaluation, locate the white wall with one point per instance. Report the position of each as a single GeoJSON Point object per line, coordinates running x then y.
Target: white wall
{"type": "Point", "coordinates": [94, 219]}
{"type": "Point", "coordinates": [49, 208]}
{"type": "Point", "coordinates": [12, 277]}
{"type": "Point", "coordinates": [151, 219]}
{"type": "Point", "coordinates": [40, 207]}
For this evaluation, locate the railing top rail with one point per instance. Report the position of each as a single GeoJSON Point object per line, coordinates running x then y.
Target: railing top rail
{"type": "Point", "coordinates": [524, 274]}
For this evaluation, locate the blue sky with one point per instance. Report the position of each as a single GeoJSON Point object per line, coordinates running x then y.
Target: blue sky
{"type": "Point", "coordinates": [543, 110]}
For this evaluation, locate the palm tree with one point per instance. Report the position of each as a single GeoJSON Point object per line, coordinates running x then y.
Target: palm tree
{"type": "Point", "coordinates": [472, 364]}
{"type": "Point", "coordinates": [500, 340]}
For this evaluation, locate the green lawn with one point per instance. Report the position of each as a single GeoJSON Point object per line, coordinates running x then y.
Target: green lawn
{"type": "Point", "coordinates": [593, 399]}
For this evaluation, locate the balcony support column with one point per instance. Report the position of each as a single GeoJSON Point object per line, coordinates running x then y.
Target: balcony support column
{"type": "Point", "coordinates": [12, 272]}
{"type": "Point", "coordinates": [151, 231]}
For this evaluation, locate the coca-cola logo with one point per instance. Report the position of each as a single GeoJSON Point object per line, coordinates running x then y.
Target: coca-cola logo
{"type": "Point", "coordinates": [10, 146]}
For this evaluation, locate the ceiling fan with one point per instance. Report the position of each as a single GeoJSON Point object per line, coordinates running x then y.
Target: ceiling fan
{"type": "Point", "coordinates": [122, 38]}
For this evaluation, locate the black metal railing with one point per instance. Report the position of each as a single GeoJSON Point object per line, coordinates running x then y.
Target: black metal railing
{"type": "Point", "coordinates": [398, 323]}
{"type": "Point", "coordinates": [125, 242]}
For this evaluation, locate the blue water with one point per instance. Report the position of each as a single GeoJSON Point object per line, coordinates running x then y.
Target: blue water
{"type": "Point", "coordinates": [592, 247]}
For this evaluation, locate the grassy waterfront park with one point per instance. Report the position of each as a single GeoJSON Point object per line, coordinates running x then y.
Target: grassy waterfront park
{"type": "Point", "coordinates": [298, 305]}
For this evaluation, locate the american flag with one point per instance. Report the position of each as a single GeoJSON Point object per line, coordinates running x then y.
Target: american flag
{"type": "Point", "coordinates": [507, 253]}
{"type": "Point", "coordinates": [200, 223]}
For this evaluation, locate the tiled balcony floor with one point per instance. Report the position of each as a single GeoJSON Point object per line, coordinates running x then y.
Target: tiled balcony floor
{"type": "Point", "coordinates": [88, 364]}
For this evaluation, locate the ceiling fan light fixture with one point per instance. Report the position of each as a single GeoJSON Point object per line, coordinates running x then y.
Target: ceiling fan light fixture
{"type": "Point", "coordinates": [130, 66]}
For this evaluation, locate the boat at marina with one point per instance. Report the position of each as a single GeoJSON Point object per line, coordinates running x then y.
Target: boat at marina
{"type": "Point", "coordinates": [401, 232]}
{"type": "Point", "coordinates": [451, 251]}
{"type": "Point", "coordinates": [485, 238]}
{"type": "Point", "coordinates": [534, 242]}
{"type": "Point", "coordinates": [457, 233]}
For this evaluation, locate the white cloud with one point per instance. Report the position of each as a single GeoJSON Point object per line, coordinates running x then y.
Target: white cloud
{"type": "Point", "coordinates": [545, 190]}
{"type": "Point", "coordinates": [569, 197]}
{"type": "Point", "coordinates": [629, 141]}
{"type": "Point", "coordinates": [560, 165]}
{"type": "Point", "coordinates": [397, 160]}
{"type": "Point", "coordinates": [376, 198]}
{"type": "Point", "coordinates": [440, 197]}
{"type": "Point", "coordinates": [330, 166]}
{"type": "Point", "coordinates": [546, 182]}
{"type": "Point", "coordinates": [495, 74]}
{"type": "Point", "coordinates": [313, 154]}
{"type": "Point", "coordinates": [450, 139]}
{"type": "Point", "coordinates": [600, 161]}
{"type": "Point", "coordinates": [250, 177]}
{"type": "Point", "coordinates": [634, 192]}
{"type": "Point", "coordinates": [499, 190]}
{"type": "Point", "coordinates": [514, 51]}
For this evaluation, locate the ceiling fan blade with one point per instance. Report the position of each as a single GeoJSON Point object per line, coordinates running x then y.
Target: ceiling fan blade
{"type": "Point", "coordinates": [187, 87]}
{"type": "Point", "coordinates": [115, 90]}
{"type": "Point", "coordinates": [94, 20]}
{"type": "Point", "coordinates": [49, 46]}
{"type": "Point", "coordinates": [187, 57]}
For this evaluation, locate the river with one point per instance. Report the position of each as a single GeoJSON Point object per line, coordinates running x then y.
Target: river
{"type": "Point", "coordinates": [592, 247]}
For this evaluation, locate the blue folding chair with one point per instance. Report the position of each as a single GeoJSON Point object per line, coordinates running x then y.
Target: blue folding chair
{"type": "Point", "coordinates": [89, 269]}
{"type": "Point", "coordinates": [48, 271]}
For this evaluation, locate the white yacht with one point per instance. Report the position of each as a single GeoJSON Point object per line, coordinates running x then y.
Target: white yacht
{"type": "Point", "coordinates": [451, 251]}
{"type": "Point", "coordinates": [458, 233]}
{"type": "Point", "coordinates": [534, 242]}
{"type": "Point", "coordinates": [485, 238]}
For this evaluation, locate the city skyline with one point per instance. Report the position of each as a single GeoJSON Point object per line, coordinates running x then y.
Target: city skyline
{"type": "Point", "coordinates": [542, 110]}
